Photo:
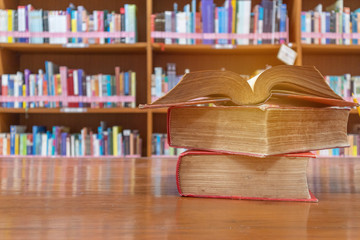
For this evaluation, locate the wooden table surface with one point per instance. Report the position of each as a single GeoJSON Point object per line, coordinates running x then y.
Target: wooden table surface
{"type": "Point", "coordinates": [137, 199]}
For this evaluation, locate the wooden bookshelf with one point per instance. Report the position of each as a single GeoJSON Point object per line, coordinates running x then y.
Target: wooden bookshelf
{"type": "Point", "coordinates": [69, 48]}
{"type": "Point", "coordinates": [143, 56]}
{"type": "Point", "coordinates": [216, 49]}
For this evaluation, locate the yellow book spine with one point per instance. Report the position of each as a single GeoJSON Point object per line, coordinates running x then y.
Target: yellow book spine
{"type": "Point", "coordinates": [115, 140]}
{"type": "Point", "coordinates": [24, 94]}
{"type": "Point", "coordinates": [17, 144]}
{"type": "Point", "coordinates": [10, 25]}
{"type": "Point", "coordinates": [233, 30]}
{"type": "Point", "coordinates": [74, 27]}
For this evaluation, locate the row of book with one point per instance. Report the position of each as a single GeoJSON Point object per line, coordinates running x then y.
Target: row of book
{"type": "Point", "coordinates": [160, 146]}
{"type": "Point", "coordinates": [27, 19]}
{"type": "Point", "coordinates": [163, 81]}
{"type": "Point", "coordinates": [336, 25]}
{"type": "Point", "coordinates": [63, 82]}
{"type": "Point", "coordinates": [352, 151]}
{"type": "Point", "coordinates": [344, 85]}
{"type": "Point", "coordinates": [58, 141]}
{"type": "Point", "coordinates": [232, 23]}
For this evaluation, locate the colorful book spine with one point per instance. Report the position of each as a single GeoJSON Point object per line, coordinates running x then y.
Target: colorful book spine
{"type": "Point", "coordinates": [76, 20]}
{"type": "Point", "coordinates": [108, 141]}
{"type": "Point", "coordinates": [60, 83]}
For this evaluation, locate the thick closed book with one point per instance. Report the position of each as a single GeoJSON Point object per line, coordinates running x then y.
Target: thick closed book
{"type": "Point", "coordinates": [283, 85]}
{"type": "Point", "coordinates": [217, 175]}
{"type": "Point", "coordinates": [260, 131]}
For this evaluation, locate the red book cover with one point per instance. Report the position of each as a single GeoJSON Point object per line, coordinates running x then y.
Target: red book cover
{"type": "Point", "coordinates": [196, 152]}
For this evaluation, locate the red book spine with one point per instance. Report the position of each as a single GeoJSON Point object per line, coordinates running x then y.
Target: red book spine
{"type": "Point", "coordinates": [152, 25]}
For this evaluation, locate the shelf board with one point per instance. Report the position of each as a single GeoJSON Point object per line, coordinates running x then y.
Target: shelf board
{"type": "Point", "coordinates": [330, 49]}
{"type": "Point", "coordinates": [211, 49]}
{"type": "Point", "coordinates": [159, 110]}
{"type": "Point", "coordinates": [91, 48]}
{"type": "Point", "coordinates": [71, 110]}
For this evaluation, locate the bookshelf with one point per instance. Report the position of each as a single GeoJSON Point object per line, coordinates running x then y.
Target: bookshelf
{"type": "Point", "coordinates": [144, 55]}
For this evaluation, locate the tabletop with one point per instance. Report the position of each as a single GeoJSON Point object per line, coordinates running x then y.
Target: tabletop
{"type": "Point", "coordinates": [54, 198]}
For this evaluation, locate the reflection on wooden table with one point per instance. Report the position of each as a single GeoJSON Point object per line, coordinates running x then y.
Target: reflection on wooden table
{"type": "Point", "coordinates": [137, 199]}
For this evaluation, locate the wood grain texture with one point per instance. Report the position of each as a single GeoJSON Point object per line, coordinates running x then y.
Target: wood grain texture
{"type": "Point", "coordinates": [137, 199]}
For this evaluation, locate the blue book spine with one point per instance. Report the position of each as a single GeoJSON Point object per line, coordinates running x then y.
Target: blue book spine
{"type": "Point", "coordinates": [108, 88]}
{"type": "Point", "coordinates": [34, 132]}
{"type": "Point", "coordinates": [80, 80]}
{"type": "Point", "coordinates": [29, 150]}
{"type": "Point", "coordinates": [12, 139]}
{"type": "Point", "coordinates": [193, 19]}
{"type": "Point", "coordinates": [282, 24]}
{"type": "Point", "coordinates": [354, 27]}
{"type": "Point", "coordinates": [222, 25]}
{"type": "Point", "coordinates": [207, 15]}
{"type": "Point", "coordinates": [55, 139]}
{"type": "Point", "coordinates": [261, 19]}
{"type": "Point", "coordinates": [10, 90]}
{"type": "Point", "coordinates": [327, 25]}
{"type": "Point", "coordinates": [63, 143]}
{"type": "Point", "coordinates": [126, 84]}
{"type": "Point", "coordinates": [158, 144]}
{"type": "Point", "coordinates": [101, 139]}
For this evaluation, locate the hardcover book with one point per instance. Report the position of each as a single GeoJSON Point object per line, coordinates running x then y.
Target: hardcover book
{"type": "Point", "coordinates": [217, 175]}
{"type": "Point", "coordinates": [258, 131]}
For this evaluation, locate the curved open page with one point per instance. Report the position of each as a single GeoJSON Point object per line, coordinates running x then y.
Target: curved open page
{"type": "Point", "coordinates": [228, 88]}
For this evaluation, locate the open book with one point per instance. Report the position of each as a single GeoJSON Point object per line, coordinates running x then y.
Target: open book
{"type": "Point", "coordinates": [281, 85]}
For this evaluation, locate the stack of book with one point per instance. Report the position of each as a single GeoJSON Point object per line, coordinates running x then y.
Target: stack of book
{"type": "Point", "coordinates": [256, 142]}
{"type": "Point", "coordinates": [59, 86]}
{"type": "Point", "coordinates": [58, 141]}
{"type": "Point", "coordinates": [232, 23]}
{"type": "Point", "coordinates": [336, 25]}
{"type": "Point", "coordinates": [75, 25]}
{"type": "Point", "coordinates": [160, 146]}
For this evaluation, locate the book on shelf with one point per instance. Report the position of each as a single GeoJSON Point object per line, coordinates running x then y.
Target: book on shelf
{"type": "Point", "coordinates": [336, 25]}
{"type": "Point", "coordinates": [56, 26]}
{"type": "Point", "coordinates": [203, 22]}
{"type": "Point", "coordinates": [59, 141]}
{"type": "Point", "coordinates": [160, 146]}
{"type": "Point", "coordinates": [163, 81]}
{"type": "Point", "coordinates": [60, 86]}
{"type": "Point", "coordinates": [261, 131]}
{"type": "Point", "coordinates": [215, 175]}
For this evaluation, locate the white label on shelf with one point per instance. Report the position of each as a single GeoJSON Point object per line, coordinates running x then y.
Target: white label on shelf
{"type": "Point", "coordinates": [76, 45]}
{"type": "Point", "coordinates": [73, 110]}
{"type": "Point", "coordinates": [223, 46]}
{"type": "Point", "coordinates": [286, 55]}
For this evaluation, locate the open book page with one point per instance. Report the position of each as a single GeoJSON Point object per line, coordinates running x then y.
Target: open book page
{"type": "Point", "coordinates": [228, 88]}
